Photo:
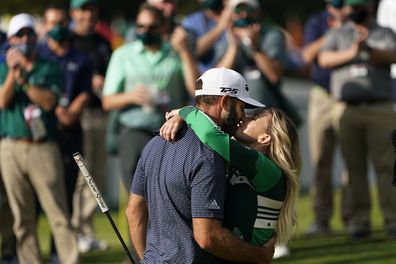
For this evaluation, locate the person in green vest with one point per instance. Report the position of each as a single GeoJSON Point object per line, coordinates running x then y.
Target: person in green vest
{"type": "Point", "coordinates": [263, 176]}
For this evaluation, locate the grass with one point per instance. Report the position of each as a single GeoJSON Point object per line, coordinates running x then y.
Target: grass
{"type": "Point", "coordinates": [332, 249]}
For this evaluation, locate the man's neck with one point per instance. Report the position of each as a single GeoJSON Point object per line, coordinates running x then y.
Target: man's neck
{"type": "Point", "coordinates": [153, 48]}
{"type": "Point", "coordinates": [213, 111]}
{"type": "Point", "coordinates": [82, 31]}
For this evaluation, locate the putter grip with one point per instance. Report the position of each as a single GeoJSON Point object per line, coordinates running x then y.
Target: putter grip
{"type": "Point", "coordinates": [90, 181]}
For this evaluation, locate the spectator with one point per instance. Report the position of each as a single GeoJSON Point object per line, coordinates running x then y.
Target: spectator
{"type": "Point", "coordinates": [178, 201]}
{"type": "Point", "coordinates": [206, 29]}
{"type": "Point", "coordinates": [29, 90]}
{"type": "Point", "coordinates": [321, 119]}
{"type": "Point", "coordinates": [386, 17]}
{"type": "Point", "coordinates": [144, 80]}
{"type": "Point", "coordinates": [84, 14]}
{"type": "Point", "coordinates": [8, 240]}
{"type": "Point", "coordinates": [77, 71]}
{"type": "Point", "coordinates": [360, 54]}
{"type": "Point", "coordinates": [259, 53]}
{"type": "Point", "coordinates": [168, 9]}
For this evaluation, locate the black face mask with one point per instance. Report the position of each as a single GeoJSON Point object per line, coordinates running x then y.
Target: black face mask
{"type": "Point", "coordinates": [149, 38]}
{"type": "Point", "coordinates": [244, 22]}
{"type": "Point", "coordinates": [214, 5]}
{"type": "Point", "coordinates": [359, 16]}
{"type": "Point", "coordinates": [27, 49]}
{"type": "Point", "coordinates": [59, 33]}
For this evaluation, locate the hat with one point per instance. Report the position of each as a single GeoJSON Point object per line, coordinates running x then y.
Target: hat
{"type": "Point", "coordinates": [252, 3]}
{"type": "Point", "coordinates": [80, 3]}
{"type": "Point", "coordinates": [356, 2]}
{"type": "Point", "coordinates": [18, 22]}
{"type": "Point", "coordinates": [222, 81]}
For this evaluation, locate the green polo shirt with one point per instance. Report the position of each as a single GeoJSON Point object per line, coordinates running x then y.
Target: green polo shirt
{"type": "Point", "coordinates": [256, 186]}
{"type": "Point", "coordinates": [46, 75]}
{"type": "Point", "coordinates": [131, 66]}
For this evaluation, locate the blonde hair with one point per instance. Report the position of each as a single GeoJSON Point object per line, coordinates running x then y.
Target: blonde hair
{"type": "Point", "coordinates": [284, 150]}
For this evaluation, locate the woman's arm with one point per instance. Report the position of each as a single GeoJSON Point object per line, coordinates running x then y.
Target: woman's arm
{"type": "Point", "coordinates": [260, 170]}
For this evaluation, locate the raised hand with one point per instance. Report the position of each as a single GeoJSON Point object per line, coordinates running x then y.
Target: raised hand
{"type": "Point", "coordinates": [173, 124]}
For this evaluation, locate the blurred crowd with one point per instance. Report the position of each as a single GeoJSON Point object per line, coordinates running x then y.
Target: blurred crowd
{"type": "Point", "coordinates": [70, 83]}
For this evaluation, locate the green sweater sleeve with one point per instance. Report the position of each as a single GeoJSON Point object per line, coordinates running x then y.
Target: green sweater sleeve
{"type": "Point", "coordinates": [261, 171]}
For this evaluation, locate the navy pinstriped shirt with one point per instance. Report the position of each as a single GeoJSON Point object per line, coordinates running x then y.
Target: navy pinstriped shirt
{"type": "Point", "coordinates": [179, 181]}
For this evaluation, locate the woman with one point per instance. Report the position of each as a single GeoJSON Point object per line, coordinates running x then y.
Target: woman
{"type": "Point", "coordinates": [263, 181]}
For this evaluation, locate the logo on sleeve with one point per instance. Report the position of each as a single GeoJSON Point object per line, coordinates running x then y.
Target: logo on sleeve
{"type": "Point", "coordinates": [213, 205]}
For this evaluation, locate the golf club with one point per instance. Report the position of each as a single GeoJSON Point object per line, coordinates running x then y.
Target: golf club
{"type": "Point", "coordinates": [98, 196]}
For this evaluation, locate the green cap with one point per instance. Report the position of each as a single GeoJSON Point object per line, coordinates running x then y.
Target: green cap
{"type": "Point", "coordinates": [80, 3]}
{"type": "Point", "coordinates": [356, 2]}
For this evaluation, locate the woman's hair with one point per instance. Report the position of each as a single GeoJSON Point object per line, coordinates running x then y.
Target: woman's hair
{"type": "Point", "coordinates": [284, 150]}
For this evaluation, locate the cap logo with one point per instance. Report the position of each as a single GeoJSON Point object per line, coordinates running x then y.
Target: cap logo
{"type": "Point", "coordinates": [229, 90]}
{"type": "Point", "coordinates": [246, 88]}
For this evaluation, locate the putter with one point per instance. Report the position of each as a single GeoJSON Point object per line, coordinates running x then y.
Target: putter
{"type": "Point", "coordinates": [98, 196]}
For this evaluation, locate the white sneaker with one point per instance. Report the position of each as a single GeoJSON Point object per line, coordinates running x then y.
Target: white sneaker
{"type": "Point", "coordinates": [89, 243]}
{"type": "Point", "coordinates": [281, 251]}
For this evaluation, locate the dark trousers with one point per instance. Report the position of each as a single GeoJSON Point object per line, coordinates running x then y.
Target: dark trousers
{"type": "Point", "coordinates": [70, 141]}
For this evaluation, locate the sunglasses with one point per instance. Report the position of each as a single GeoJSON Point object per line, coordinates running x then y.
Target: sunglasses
{"type": "Point", "coordinates": [248, 9]}
{"type": "Point", "coordinates": [148, 27]}
{"type": "Point", "coordinates": [29, 33]}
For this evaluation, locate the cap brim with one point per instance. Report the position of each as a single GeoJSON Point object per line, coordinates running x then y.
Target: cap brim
{"type": "Point", "coordinates": [251, 103]}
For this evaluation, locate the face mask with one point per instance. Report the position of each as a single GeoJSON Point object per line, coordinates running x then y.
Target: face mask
{"type": "Point", "coordinates": [359, 16]}
{"type": "Point", "coordinates": [148, 38]}
{"type": "Point", "coordinates": [244, 22]}
{"type": "Point", "coordinates": [214, 5]}
{"type": "Point", "coordinates": [59, 33]}
{"type": "Point", "coordinates": [27, 49]}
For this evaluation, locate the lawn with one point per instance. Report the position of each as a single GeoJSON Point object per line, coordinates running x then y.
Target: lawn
{"type": "Point", "coordinates": [332, 249]}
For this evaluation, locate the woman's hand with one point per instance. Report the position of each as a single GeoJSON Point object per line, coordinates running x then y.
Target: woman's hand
{"type": "Point", "coordinates": [173, 124]}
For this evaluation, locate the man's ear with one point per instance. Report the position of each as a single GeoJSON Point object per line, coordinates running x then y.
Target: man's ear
{"type": "Point", "coordinates": [264, 139]}
{"type": "Point", "coordinates": [225, 103]}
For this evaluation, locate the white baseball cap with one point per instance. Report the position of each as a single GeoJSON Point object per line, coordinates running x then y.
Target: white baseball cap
{"type": "Point", "coordinates": [223, 81]}
{"type": "Point", "coordinates": [252, 3]}
{"type": "Point", "coordinates": [18, 22]}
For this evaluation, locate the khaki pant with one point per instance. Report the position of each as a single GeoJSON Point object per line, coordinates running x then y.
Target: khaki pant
{"type": "Point", "coordinates": [94, 124]}
{"type": "Point", "coordinates": [31, 169]}
{"type": "Point", "coordinates": [322, 120]}
{"type": "Point", "coordinates": [365, 131]}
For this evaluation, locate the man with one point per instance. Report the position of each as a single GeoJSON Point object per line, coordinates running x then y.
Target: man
{"type": "Point", "coordinates": [321, 123]}
{"type": "Point", "coordinates": [386, 17]}
{"type": "Point", "coordinates": [85, 15]}
{"type": "Point", "coordinates": [30, 157]}
{"type": "Point", "coordinates": [77, 72]}
{"type": "Point", "coordinates": [176, 204]}
{"type": "Point", "coordinates": [207, 31]}
{"type": "Point", "coordinates": [360, 54]}
{"type": "Point", "coordinates": [259, 54]}
{"type": "Point", "coordinates": [8, 240]}
{"type": "Point", "coordinates": [145, 79]}
{"type": "Point", "coordinates": [168, 8]}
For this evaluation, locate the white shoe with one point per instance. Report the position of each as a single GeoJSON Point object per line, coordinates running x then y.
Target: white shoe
{"type": "Point", "coordinates": [281, 251]}
{"type": "Point", "coordinates": [89, 243]}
